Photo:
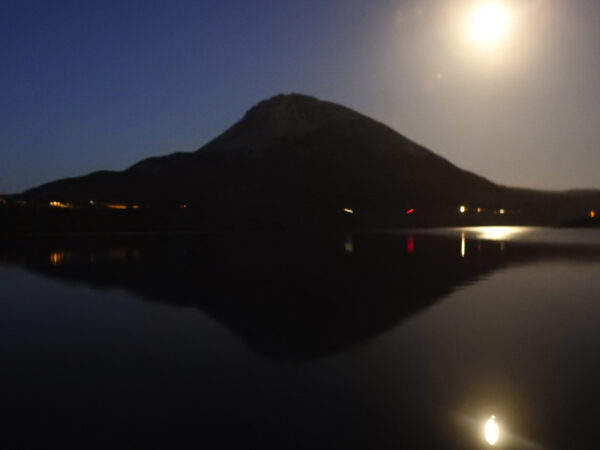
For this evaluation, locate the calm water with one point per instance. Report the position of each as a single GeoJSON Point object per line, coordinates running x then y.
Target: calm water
{"type": "Point", "coordinates": [368, 341]}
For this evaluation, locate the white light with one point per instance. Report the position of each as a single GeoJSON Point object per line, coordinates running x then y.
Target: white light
{"type": "Point", "coordinates": [489, 23]}
{"type": "Point", "coordinates": [492, 431]}
{"type": "Point", "coordinates": [498, 233]}
{"type": "Point", "coordinates": [348, 210]}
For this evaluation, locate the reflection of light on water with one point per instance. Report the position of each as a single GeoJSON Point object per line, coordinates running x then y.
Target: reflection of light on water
{"type": "Point", "coordinates": [497, 233]}
{"type": "Point", "coordinates": [491, 431]}
{"type": "Point", "coordinates": [410, 244]}
{"type": "Point", "coordinates": [486, 432]}
{"type": "Point", "coordinates": [463, 245]}
{"type": "Point", "coordinates": [57, 257]}
{"type": "Point", "coordinates": [349, 245]}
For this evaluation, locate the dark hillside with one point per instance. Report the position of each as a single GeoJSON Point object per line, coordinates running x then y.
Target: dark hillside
{"type": "Point", "coordinates": [295, 160]}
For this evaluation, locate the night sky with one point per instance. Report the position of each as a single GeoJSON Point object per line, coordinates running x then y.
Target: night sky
{"type": "Point", "coordinates": [100, 85]}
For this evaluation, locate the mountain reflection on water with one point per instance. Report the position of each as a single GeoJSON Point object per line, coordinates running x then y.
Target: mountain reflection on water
{"type": "Point", "coordinates": [383, 340]}
{"type": "Point", "coordinates": [291, 297]}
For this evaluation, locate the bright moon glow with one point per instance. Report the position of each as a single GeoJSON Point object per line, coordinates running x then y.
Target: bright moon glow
{"type": "Point", "coordinates": [491, 431]}
{"type": "Point", "coordinates": [489, 23]}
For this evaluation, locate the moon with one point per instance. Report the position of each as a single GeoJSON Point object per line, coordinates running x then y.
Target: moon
{"type": "Point", "coordinates": [489, 23]}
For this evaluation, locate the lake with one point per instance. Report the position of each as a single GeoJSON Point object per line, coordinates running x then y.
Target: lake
{"type": "Point", "coordinates": [387, 340]}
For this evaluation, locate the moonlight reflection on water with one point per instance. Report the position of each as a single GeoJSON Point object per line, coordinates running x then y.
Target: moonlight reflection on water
{"type": "Point", "coordinates": [492, 431]}
{"type": "Point", "coordinates": [272, 323]}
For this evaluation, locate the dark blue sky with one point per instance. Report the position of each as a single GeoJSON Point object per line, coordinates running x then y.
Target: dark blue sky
{"type": "Point", "coordinates": [100, 85]}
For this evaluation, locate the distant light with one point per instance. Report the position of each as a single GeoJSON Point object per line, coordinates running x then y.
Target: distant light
{"type": "Point", "coordinates": [502, 211]}
{"type": "Point", "coordinates": [410, 211]}
{"type": "Point", "coordinates": [56, 204]}
{"type": "Point", "coordinates": [492, 432]}
{"type": "Point", "coordinates": [592, 214]}
{"type": "Point", "coordinates": [183, 206]}
{"type": "Point", "coordinates": [136, 206]}
{"type": "Point", "coordinates": [479, 210]}
{"type": "Point", "coordinates": [116, 206]}
{"type": "Point", "coordinates": [348, 210]}
{"type": "Point", "coordinates": [92, 202]}
{"type": "Point", "coordinates": [462, 209]}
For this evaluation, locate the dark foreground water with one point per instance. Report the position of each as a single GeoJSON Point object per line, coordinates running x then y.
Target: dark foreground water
{"type": "Point", "coordinates": [297, 341]}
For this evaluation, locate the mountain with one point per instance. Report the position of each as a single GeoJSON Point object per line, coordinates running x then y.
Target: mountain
{"type": "Point", "coordinates": [293, 159]}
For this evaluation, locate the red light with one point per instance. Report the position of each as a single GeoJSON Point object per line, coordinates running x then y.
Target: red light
{"type": "Point", "coordinates": [410, 244]}
{"type": "Point", "coordinates": [410, 211]}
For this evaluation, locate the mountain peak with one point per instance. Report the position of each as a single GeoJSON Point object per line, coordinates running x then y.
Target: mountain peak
{"type": "Point", "coordinates": [283, 115]}
{"type": "Point", "coordinates": [290, 101]}
{"type": "Point", "coordinates": [290, 98]}
{"type": "Point", "coordinates": [301, 109]}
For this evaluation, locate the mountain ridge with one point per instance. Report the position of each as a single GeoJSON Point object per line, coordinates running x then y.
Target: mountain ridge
{"type": "Point", "coordinates": [308, 114]}
{"type": "Point", "coordinates": [294, 158]}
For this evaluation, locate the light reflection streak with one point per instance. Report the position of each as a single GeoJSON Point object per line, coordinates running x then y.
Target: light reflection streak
{"type": "Point", "coordinates": [57, 258]}
{"type": "Point", "coordinates": [497, 233]}
{"type": "Point", "coordinates": [476, 426]}
{"type": "Point", "coordinates": [349, 245]}
{"type": "Point", "coordinates": [410, 244]}
{"type": "Point", "coordinates": [463, 245]}
{"type": "Point", "coordinates": [492, 432]}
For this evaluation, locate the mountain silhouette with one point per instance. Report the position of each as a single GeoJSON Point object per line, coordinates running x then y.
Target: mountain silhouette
{"type": "Point", "coordinates": [294, 159]}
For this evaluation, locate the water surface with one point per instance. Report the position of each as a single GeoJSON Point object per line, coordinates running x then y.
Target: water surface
{"type": "Point", "coordinates": [383, 340]}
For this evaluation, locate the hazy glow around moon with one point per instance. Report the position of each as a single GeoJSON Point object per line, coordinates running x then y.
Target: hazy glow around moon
{"type": "Point", "coordinates": [489, 23]}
